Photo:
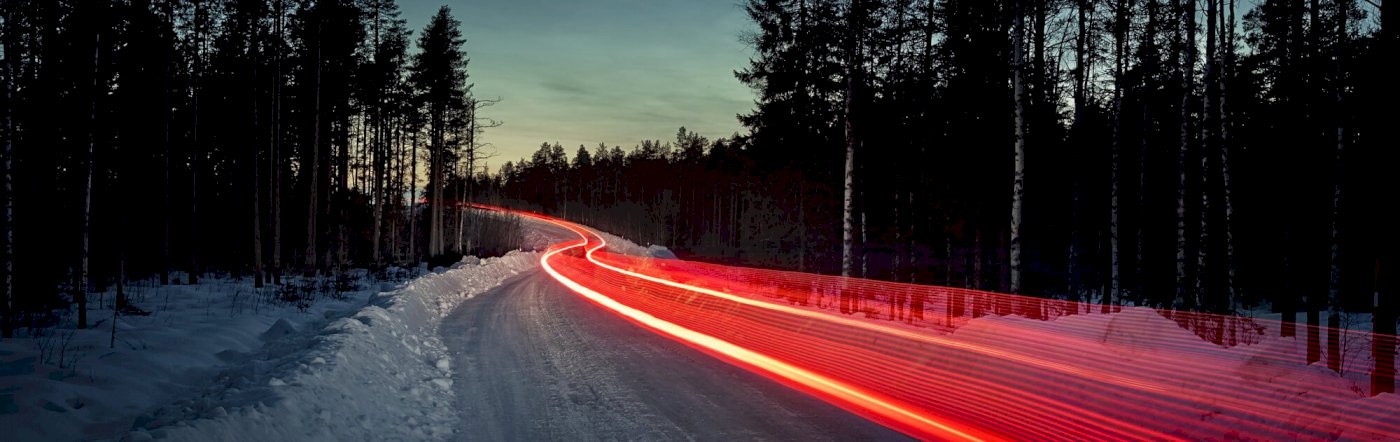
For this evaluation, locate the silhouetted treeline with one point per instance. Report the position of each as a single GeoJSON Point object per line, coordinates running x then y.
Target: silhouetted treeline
{"type": "Point", "coordinates": [175, 138]}
{"type": "Point", "coordinates": [1175, 153]}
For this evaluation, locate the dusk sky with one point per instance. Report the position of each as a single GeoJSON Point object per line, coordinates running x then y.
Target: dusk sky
{"type": "Point", "coordinates": [590, 71]}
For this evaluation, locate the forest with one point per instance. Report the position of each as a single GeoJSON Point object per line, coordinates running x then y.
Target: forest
{"type": "Point", "coordinates": [1191, 154]}
{"type": "Point", "coordinates": [178, 138]}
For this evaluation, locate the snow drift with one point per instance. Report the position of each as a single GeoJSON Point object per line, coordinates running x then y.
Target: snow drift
{"type": "Point", "coordinates": [381, 373]}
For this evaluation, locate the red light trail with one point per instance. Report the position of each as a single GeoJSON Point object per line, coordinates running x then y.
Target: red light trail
{"type": "Point", "coordinates": [928, 371]}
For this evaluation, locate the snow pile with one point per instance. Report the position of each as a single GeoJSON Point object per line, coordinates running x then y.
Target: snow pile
{"type": "Point", "coordinates": [1139, 343]}
{"type": "Point", "coordinates": [660, 252]}
{"type": "Point", "coordinates": [380, 374]}
{"type": "Point", "coordinates": [623, 246]}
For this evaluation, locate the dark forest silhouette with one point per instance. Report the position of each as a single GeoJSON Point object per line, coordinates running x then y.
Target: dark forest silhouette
{"type": "Point", "coordinates": [1171, 153]}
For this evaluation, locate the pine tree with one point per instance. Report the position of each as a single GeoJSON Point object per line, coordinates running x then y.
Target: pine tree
{"type": "Point", "coordinates": [439, 75]}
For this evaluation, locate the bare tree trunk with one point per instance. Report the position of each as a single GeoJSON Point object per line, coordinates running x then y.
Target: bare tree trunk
{"type": "Point", "coordinates": [168, 115]}
{"type": "Point", "coordinates": [435, 180]}
{"type": "Point", "coordinates": [1081, 86]}
{"type": "Point", "coordinates": [1314, 352]}
{"type": "Point", "coordinates": [378, 206]}
{"type": "Point", "coordinates": [848, 217]}
{"type": "Point", "coordinates": [1227, 60]}
{"type": "Point", "coordinates": [413, 199]}
{"type": "Point", "coordinates": [339, 198]}
{"type": "Point", "coordinates": [314, 164]}
{"type": "Point", "coordinates": [1383, 340]}
{"type": "Point", "coordinates": [1120, 37]}
{"type": "Point", "coordinates": [1188, 85]}
{"type": "Point", "coordinates": [7, 303]}
{"type": "Point", "coordinates": [396, 190]}
{"type": "Point", "coordinates": [276, 159]}
{"type": "Point", "coordinates": [979, 305]}
{"type": "Point", "coordinates": [193, 276]}
{"type": "Point", "coordinates": [1334, 300]}
{"type": "Point", "coordinates": [1019, 183]}
{"type": "Point", "coordinates": [1208, 78]}
{"type": "Point", "coordinates": [257, 181]}
{"type": "Point", "coordinates": [1144, 143]}
{"type": "Point", "coordinates": [82, 289]}
{"type": "Point", "coordinates": [121, 293]}
{"type": "Point", "coordinates": [377, 146]}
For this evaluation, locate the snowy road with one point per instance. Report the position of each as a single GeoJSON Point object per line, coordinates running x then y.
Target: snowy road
{"type": "Point", "coordinates": [536, 362]}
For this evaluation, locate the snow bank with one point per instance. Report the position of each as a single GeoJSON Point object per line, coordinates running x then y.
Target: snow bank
{"type": "Point", "coordinates": [623, 246]}
{"type": "Point", "coordinates": [379, 374]}
{"type": "Point", "coordinates": [661, 252]}
{"type": "Point", "coordinates": [1137, 342]}
{"type": "Point", "coordinates": [71, 384]}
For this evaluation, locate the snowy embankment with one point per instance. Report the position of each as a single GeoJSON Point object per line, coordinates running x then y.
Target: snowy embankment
{"type": "Point", "coordinates": [223, 361]}
{"type": "Point", "coordinates": [380, 374]}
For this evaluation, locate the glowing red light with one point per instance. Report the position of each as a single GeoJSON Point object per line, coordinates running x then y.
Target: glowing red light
{"type": "Point", "coordinates": [921, 372]}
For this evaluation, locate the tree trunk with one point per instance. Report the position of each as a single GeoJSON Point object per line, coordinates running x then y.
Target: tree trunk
{"type": "Point", "coordinates": [1077, 131]}
{"type": "Point", "coordinates": [435, 193]}
{"type": "Point", "coordinates": [195, 240]}
{"type": "Point", "coordinates": [168, 115]}
{"type": "Point", "coordinates": [121, 292]}
{"type": "Point", "coordinates": [1120, 37]}
{"type": "Point", "coordinates": [254, 148]}
{"type": "Point", "coordinates": [1149, 71]}
{"type": "Point", "coordinates": [1383, 340]}
{"type": "Point", "coordinates": [395, 189]}
{"type": "Point", "coordinates": [1187, 87]}
{"type": "Point", "coordinates": [378, 158]}
{"type": "Point", "coordinates": [81, 291]}
{"type": "Point", "coordinates": [1334, 299]}
{"type": "Point", "coordinates": [413, 198]}
{"type": "Point", "coordinates": [979, 305]}
{"type": "Point", "coordinates": [276, 158]}
{"type": "Point", "coordinates": [1227, 60]}
{"type": "Point", "coordinates": [314, 165]}
{"type": "Point", "coordinates": [339, 197]}
{"type": "Point", "coordinates": [848, 217]}
{"type": "Point", "coordinates": [1312, 301]}
{"type": "Point", "coordinates": [7, 301]}
{"type": "Point", "coordinates": [1383, 320]}
{"type": "Point", "coordinates": [1203, 242]}
{"type": "Point", "coordinates": [1019, 182]}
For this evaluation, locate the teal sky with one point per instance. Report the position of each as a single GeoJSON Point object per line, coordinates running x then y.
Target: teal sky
{"type": "Point", "coordinates": [590, 71]}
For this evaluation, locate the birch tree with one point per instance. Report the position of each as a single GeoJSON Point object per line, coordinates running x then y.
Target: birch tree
{"type": "Point", "coordinates": [1019, 178]}
{"type": "Point", "coordinates": [7, 298]}
{"type": "Point", "coordinates": [1120, 50]}
{"type": "Point", "coordinates": [1188, 84]}
{"type": "Point", "coordinates": [1334, 300]}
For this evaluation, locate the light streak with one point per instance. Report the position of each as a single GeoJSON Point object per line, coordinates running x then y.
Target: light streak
{"type": "Point", "coordinates": [1025, 380]}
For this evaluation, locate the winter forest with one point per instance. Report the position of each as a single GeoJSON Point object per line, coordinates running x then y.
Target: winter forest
{"type": "Point", "coordinates": [1205, 155]}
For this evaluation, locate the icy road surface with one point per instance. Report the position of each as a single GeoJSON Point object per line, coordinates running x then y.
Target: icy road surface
{"type": "Point", "coordinates": [537, 362]}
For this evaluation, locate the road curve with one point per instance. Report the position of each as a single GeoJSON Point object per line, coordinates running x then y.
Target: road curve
{"type": "Point", "coordinates": [534, 361]}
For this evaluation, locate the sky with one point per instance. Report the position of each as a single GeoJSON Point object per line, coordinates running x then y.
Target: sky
{"type": "Point", "coordinates": [589, 71]}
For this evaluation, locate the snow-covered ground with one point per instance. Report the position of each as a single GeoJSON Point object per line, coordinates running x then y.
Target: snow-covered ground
{"type": "Point", "coordinates": [70, 384]}
{"type": "Point", "coordinates": [224, 361]}
{"type": "Point", "coordinates": [219, 361]}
